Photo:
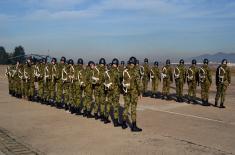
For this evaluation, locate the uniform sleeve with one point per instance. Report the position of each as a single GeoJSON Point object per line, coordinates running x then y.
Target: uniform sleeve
{"type": "Point", "coordinates": [209, 76]}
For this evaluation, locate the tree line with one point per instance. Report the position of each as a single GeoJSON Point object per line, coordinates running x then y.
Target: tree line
{"type": "Point", "coordinates": [11, 58]}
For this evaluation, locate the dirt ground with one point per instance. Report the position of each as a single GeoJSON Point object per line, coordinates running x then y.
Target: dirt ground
{"type": "Point", "coordinates": [168, 128]}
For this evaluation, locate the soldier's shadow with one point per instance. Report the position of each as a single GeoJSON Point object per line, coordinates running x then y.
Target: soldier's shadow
{"type": "Point", "coordinates": [197, 100]}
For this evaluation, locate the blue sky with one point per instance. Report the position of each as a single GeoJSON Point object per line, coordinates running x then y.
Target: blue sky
{"type": "Point", "coordinates": [157, 29]}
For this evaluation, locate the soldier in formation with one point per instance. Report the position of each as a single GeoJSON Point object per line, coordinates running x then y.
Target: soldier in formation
{"type": "Point", "coordinates": [94, 90]}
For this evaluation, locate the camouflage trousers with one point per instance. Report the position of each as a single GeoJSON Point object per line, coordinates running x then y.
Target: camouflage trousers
{"type": "Point", "coordinates": [59, 91]}
{"type": "Point", "coordinates": [130, 99]}
{"type": "Point", "coordinates": [46, 93]}
{"type": "Point", "coordinates": [205, 86]}
{"type": "Point", "coordinates": [179, 87]}
{"type": "Point", "coordinates": [155, 83]}
{"type": "Point", "coordinates": [66, 91]}
{"type": "Point", "coordinates": [145, 84]}
{"type": "Point", "coordinates": [113, 99]}
{"type": "Point", "coordinates": [78, 96]}
{"type": "Point", "coordinates": [166, 86]}
{"type": "Point", "coordinates": [52, 90]}
{"type": "Point", "coordinates": [192, 86]}
{"type": "Point", "coordinates": [88, 93]}
{"type": "Point", "coordinates": [99, 100]}
{"type": "Point", "coordinates": [29, 88]}
{"type": "Point", "coordinates": [72, 93]}
{"type": "Point", "coordinates": [40, 88]}
{"type": "Point", "coordinates": [221, 92]}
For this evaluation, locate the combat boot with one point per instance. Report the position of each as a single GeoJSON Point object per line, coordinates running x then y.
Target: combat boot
{"type": "Point", "coordinates": [221, 105]}
{"type": "Point", "coordinates": [124, 125]}
{"type": "Point", "coordinates": [78, 111]}
{"type": "Point", "coordinates": [102, 118]}
{"type": "Point", "coordinates": [84, 113]}
{"type": "Point", "coordinates": [106, 121]}
{"type": "Point", "coordinates": [89, 115]}
{"type": "Point", "coordinates": [177, 99]}
{"type": "Point", "coordinates": [207, 103]}
{"type": "Point", "coordinates": [96, 116]}
{"type": "Point", "coordinates": [216, 103]}
{"type": "Point", "coordinates": [134, 128]}
{"type": "Point", "coordinates": [116, 123]}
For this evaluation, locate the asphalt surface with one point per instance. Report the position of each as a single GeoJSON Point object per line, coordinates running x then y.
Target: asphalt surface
{"type": "Point", "coordinates": [168, 128]}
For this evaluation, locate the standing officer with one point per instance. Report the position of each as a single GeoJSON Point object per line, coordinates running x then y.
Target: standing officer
{"type": "Point", "coordinates": [99, 89]}
{"type": "Point", "coordinates": [90, 79]}
{"type": "Point", "coordinates": [193, 81]}
{"type": "Point", "coordinates": [29, 79]}
{"type": "Point", "coordinates": [79, 85]}
{"type": "Point", "coordinates": [167, 77]}
{"type": "Point", "coordinates": [60, 82]}
{"type": "Point", "coordinates": [205, 80]}
{"type": "Point", "coordinates": [40, 78]}
{"type": "Point", "coordinates": [112, 87]}
{"type": "Point", "coordinates": [223, 80]}
{"type": "Point", "coordinates": [71, 87]}
{"type": "Point", "coordinates": [46, 83]}
{"type": "Point", "coordinates": [146, 77]}
{"type": "Point", "coordinates": [155, 77]}
{"type": "Point", "coordinates": [132, 87]}
{"type": "Point", "coordinates": [53, 74]}
{"type": "Point", "coordinates": [180, 79]}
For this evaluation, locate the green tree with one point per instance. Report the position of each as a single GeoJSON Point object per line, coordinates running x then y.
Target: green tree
{"type": "Point", "coordinates": [3, 56]}
{"type": "Point", "coordinates": [18, 54]}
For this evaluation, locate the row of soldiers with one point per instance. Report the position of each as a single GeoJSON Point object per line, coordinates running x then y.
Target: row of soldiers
{"type": "Point", "coordinates": [76, 87]}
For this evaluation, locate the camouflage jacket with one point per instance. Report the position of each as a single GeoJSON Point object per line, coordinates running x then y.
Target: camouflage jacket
{"type": "Point", "coordinates": [205, 74]}
{"type": "Point", "coordinates": [167, 73]}
{"type": "Point", "coordinates": [155, 73]}
{"type": "Point", "coordinates": [223, 75]}
{"type": "Point", "coordinates": [180, 73]}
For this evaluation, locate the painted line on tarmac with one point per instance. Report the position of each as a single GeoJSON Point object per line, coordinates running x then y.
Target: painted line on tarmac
{"type": "Point", "coordinates": [194, 116]}
{"type": "Point", "coordinates": [167, 108]}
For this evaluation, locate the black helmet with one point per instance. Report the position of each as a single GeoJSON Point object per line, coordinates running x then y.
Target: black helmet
{"type": "Point", "coordinates": [194, 61]}
{"type": "Point", "coordinates": [43, 60]}
{"type": "Point", "coordinates": [155, 63]}
{"type": "Point", "coordinates": [90, 63]}
{"type": "Point", "coordinates": [102, 61]}
{"type": "Point", "coordinates": [115, 61]}
{"type": "Point", "coordinates": [137, 62]}
{"type": "Point", "coordinates": [146, 60]}
{"type": "Point", "coordinates": [54, 60]}
{"type": "Point", "coordinates": [181, 61]}
{"type": "Point", "coordinates": [63, 59]}
{"type": "Point", "coordinates": [80, 61]}
{"type": "Point", "coordinates": [70, 62]}
{"type": "Point", "coordinates": [122, 62]}
{"type": "Point", "coordinates": [168, 62]}
{"type": "Point", "coordinates": [224, 61]}
{"type": "Point", "coordinates": [206, 61]}
{"type": "Point", "coordinates": [132, 60]}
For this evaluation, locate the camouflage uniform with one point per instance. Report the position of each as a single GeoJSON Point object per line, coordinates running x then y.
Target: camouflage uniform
{"type": "Point", "coordinates": [66, 84]}
{"type": "Point", "coordinates": [205, 80]}
{"type": "Point", "coordinates": [60, 82]}
{"type": "Point", "coordinates": [155, 78]}
{"type": "Point", "coordinates": [46, 82]}
{"type": "Point", "coordinates": [180, 79]}
{"type": "Point", "coordinates": [99, 90]}
{"type": "Point", "coordinates": [223, 80]}
{"type": "Point", "coordinates": [167, 76]}
{"type": "Point", "coordinates": [88, 90]}
{"type": "Point", "coordinates": [112, 87]}
{"type": "Point", "coordinates": [29, 80]}
{"type": "Point", "coordinates": [53, 74]}
{"type": "Point", "coordinates": [146, 77]}
{"type": "Point", "coordinates": [40, 79]}
{"type": "Point", "coordinates": [193, 81]}
{"type": "Point", "coordinates": [79, 84]}
{"type": "Point", "coordinates": [72, 86]}
{"type": "Point", "coordinates": [131, 82]}
{"type": "Point", "coordinates": [8, 74]}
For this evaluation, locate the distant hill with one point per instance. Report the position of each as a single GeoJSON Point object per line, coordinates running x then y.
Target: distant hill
{"type": "Point", "coordinates": [215, 57]}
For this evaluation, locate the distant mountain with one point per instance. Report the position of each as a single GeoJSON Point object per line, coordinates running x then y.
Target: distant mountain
{"type": "Point", "coordinates": [215, 57]}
